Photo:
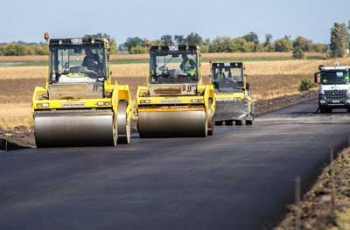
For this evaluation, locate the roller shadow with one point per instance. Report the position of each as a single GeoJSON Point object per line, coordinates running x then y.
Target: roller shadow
{"type": "Point", "coordinates": [9, 146]}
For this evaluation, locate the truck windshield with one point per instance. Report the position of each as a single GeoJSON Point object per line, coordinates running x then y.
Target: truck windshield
{"type": "Point", "coordinates": [335, 77]}
{"type": "Point", "coordinates": [171, 67]}
{"type": "Point", "coordinates": [226, 78]}
{"type": "Point", "coordinates": [82, 63]}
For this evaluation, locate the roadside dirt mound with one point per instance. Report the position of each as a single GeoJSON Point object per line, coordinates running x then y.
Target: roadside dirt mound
{"type": "Point", "coordinates": [317, 211]}
{"type": "Point", "coordinates": [17, 138]}
{"type": "Point", "coordinates": [265, 106]}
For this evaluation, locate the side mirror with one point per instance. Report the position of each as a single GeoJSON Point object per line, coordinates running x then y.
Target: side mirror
{"type": "Point", "coordinates": [316, 77]}
{"type": "Point", "coordinates": [110, 73]}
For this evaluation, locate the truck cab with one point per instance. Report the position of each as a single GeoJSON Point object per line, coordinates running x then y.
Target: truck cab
{"type": "Point", "coordinates": [334, 90]}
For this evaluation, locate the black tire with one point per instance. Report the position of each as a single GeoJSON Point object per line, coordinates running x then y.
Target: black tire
{"type": "Point", "coordinates": [211, 124]}
{"type": "Point", "coordinates": [325, 110]}
{"type": "Point", "coordinates": [229, 122]}
{"type": "Point", "coordinates": [219, 123]}
{"type": "Point", "coordinates": [239, 123]}
{"type": "Point", "coordinates": [249, 122]}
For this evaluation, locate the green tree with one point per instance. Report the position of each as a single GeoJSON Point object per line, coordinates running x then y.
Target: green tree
{"type": "Point", "coordinates": [180, 39]}
{"type": "Point", "coordinates": [298, 52]}
{"type": "Point", "coordinates": [339, 40]}
{"type": "Point", "coordinates": [227, 45]}
{"type": "Point", "coordinates": [283, 45]}
{"type": "Point", "coordinates": [305, 44]}
{"type": "Point", "coordinates": [166, 40]}
{"type": "Point", "coordinates": [268, 39]}
{"type": "Point", "coordinates": [241, 45]}
{"type": "Point", "coordinates": [318, 47]}
{"type": "Point", "coordinates": [194, 39]}
{"type": "Point", "coordinates": [138, 50]}
{"type": "Point", "coordinates": [251, 37]}
{"type": "Point", "coordinates": [133, 42]}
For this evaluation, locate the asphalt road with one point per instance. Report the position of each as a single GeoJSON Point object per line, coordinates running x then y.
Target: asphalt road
{"type": "Point", "coordinates": [241, 178]}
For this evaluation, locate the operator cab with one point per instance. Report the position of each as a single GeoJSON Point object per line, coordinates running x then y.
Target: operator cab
{"type": "Point", "coordinates": [78, 68]}
{"type": "Point", "coordinates": [174, 64]}
{"type": "Point", "coordinates": [77, 60]}
{"type": "Point", "coordinates": [228, 77]}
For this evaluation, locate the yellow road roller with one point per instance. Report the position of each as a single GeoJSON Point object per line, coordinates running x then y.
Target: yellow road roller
{"type": "Point", "coordinates": [79, 105]}
{"type": "Point", "coordinates": [175, 103]}
{"type": "Point", "coordinates": [232, 92]}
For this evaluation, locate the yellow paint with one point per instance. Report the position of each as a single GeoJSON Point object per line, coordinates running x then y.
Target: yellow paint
{"type": "Point", "coordinates": [118, 93]}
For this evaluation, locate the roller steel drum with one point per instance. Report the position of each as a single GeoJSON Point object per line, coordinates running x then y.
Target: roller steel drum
{"type": "Point", "coordinates": [74, 128]}
{"type": "Point", "coordinates": [172, 124]}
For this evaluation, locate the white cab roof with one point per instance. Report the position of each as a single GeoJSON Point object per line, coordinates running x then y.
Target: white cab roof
{"type": "Point", "coordinates": [335, 68]}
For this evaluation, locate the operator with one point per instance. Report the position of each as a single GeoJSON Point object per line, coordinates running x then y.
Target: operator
{"type": "Point", "coordinates": [91, 60]}
{"type": "Point", "coordinates": [220, 75]}
{"type": "Point", "coordinates": [188, 66]}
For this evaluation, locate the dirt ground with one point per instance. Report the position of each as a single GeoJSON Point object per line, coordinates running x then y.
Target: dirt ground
{"type": "Point", "coordinates": [318, 209]}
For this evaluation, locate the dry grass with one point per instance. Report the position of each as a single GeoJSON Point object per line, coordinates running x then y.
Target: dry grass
{"type": "Point", "coordinates": [17, 114]}
{"type": "Point", "coordinates": [118, 57]}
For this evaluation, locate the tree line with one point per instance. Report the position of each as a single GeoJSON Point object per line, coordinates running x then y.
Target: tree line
{"type": "Point", "coordinates": [247, 43]}
{"type": "Point", "coordinates": [339, 43]}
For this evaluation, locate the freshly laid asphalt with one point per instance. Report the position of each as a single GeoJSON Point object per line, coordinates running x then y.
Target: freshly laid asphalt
{"type": "Point", "coordinates": [241, 178]}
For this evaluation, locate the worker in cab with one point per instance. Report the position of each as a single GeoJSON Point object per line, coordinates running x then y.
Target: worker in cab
{"type": "Point", "coordinates": [188, 66]}
{"type": "Point", "coordinates": [91, 60]}
{"type": "Point", "coordinates": [220, 75]}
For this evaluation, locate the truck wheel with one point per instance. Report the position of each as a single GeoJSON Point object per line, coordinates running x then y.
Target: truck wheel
{"type": "Point", "coordinates": [229, 122]}
{"type": "Point", "coordinates": [219, 123]}
{"type": "Point", "coordinates": [239, 123]}
{"type": "Point", "coordinates": [249, 122]}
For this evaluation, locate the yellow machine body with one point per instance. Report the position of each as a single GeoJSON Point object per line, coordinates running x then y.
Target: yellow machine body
{"type": "Point", "coordinates": [78, 113]}
{"type": "Point", "coordinates": [175, 107]}
{"type": "Point", "coordinates": [232, 94]}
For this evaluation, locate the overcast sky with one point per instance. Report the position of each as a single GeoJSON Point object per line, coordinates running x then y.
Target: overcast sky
{"type": "Point", "coordinates": [27, 20]}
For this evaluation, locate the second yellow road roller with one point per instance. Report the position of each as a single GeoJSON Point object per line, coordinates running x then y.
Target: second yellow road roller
{"type": "Point", "coordinates": [79, 106]}
{"type": "Point", "coordinates": [175, 103]}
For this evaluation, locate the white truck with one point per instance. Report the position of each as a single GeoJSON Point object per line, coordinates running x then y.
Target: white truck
{"type": "Point", "coordinates": [334, 89]}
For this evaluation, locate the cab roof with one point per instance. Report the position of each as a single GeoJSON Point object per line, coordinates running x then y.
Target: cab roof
{"type": "Point", "coordinates": [78, 41]}
{"type": "Point", "coordinates": [328, 68]}
{"type": "Point", "coordinates": [175, 48]}
{"type": "Point", "coordinates": [228, 64]}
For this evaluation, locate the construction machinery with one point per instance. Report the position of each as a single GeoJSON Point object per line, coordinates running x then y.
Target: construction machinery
{"type": "Point", "coordinates": [79, 105]}
{"type": "Point", "coordinates": [232, 94]}
{"type": "Point", "coordinates": [175, 102]}
{"type": "Point", "coordinates": [334, 91]}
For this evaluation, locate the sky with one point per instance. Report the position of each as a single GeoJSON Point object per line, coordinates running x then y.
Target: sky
{"type": "Point", "coordinates": [23, 20]}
